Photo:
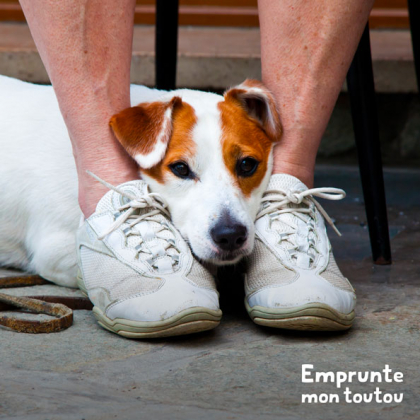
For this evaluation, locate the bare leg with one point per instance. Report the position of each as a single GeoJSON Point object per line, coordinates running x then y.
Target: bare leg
{"type": "Point", "coordinates": [307, 48]}
{"type": "Point", "coordinates": [86, 49]}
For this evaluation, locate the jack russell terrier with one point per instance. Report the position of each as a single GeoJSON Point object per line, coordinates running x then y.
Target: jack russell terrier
{"type": "Point", "coordinates": [209, 156]}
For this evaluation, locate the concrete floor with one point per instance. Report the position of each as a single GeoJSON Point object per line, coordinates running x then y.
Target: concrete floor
{"type": "Point", "coordinates": [239, 370]}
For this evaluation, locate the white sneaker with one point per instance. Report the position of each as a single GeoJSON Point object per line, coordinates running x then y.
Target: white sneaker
{"type": "Point", "coordinates": [138, 271]}
{"type": "Point", "coordinates": [293, 280]}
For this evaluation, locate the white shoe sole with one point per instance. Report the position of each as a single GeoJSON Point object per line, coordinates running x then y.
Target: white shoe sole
{"type": "Point", "coordinates": [189, 321]}
{"type": "Point", "coordinates": [309, 317]}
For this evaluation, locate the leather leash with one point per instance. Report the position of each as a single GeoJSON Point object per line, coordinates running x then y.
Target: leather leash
{"type": "Point", "coordinates": [61, 307]}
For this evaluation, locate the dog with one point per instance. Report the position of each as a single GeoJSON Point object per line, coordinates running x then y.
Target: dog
{"type": "Point", "coordinates": [210, 156]}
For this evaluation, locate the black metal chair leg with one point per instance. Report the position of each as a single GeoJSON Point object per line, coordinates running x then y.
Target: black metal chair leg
{"type": "Point", "coordinates": [365, 122]}
{"type": "Point", "coordinates": [166, 43]}
{"type": "Point", "coordinates": [414, 14]}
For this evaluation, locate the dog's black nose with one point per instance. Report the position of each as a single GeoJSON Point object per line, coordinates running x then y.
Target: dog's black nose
{"type": "Point", "coordinates": [229, 237]}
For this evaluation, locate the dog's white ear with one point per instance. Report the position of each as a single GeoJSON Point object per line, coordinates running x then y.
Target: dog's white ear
{"type": "Point", "coordinates": [259, 104]}
{"type": "Point", "coordinates": [145, 130]}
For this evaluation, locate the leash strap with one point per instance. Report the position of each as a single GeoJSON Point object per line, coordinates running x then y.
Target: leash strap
{"type": "Point", "coordinates": [60, 307]}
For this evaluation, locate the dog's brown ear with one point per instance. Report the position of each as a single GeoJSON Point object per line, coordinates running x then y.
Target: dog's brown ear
{"type": "Point", "coordinates": [259, 104]}
{"type": "Point", "coordinates": [145, 130]}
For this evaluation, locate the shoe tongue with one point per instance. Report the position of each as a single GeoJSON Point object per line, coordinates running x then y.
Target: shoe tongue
{"type": "Point", "coordinates": [112, 200]}
{"type": "Point", "coordinates": [283, 223]}
{"type": "Point", "coordinates": [285, 183]}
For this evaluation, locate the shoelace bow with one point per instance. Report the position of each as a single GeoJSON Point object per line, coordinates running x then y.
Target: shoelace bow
{"type": "Point", "coordinates": [157, 205]}
{"type": "Point", "coordinates": [274, 204]}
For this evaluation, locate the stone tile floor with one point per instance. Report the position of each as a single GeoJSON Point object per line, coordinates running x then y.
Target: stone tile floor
{"type": "Point", "coordinates": [239, 370]}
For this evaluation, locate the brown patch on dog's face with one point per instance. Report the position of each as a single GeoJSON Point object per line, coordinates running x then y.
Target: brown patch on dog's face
{"type": "Point", "coordinates": [181, 146]}
{"type": "Point", "coordinates": [145, 130]}
{"type": "Point", "coordinates": [250, 126]}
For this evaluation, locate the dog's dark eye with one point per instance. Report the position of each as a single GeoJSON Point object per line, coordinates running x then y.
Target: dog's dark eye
{"type": "Point", "coordinates": [181, 170]}
{"type": "Point", "coordinates": [247, 167]}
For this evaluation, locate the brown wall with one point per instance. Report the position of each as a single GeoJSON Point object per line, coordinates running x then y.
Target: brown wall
{"type": "Point", "coordinates": [386, 13]}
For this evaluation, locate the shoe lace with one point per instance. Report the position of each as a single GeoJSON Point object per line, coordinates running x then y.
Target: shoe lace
{"type": "Point", "coordinates": [129, 213]}
{"type": "Point", "coordinates": [278, 202]}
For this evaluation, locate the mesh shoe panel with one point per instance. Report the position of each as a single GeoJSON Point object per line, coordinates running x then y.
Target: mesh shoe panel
{"type": "Point", "coordinates": [334, 276]}
{"type": "Point", "coordinates": [121, 282]}
{"type": "Point", "coordinates": [200, 276]}
{"type": "Point", "coordinates": [266, 270]}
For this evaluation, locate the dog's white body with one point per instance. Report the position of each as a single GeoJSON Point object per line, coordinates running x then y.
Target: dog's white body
{"type": "Point", "coordinates": [39, 211]}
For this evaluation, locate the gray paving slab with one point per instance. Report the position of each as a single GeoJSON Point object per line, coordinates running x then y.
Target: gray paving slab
{"type": "Point", "coordinates": [239, 370]}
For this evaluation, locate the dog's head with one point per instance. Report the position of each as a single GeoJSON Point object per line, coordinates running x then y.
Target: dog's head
{"type": "Point", "coordinates": [210, 157]}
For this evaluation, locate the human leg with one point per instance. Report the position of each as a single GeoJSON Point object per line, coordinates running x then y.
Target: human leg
{"type": "Point", "coordinates": [306, 50]}
{"type": "Point", "coordinates": [86, 49]}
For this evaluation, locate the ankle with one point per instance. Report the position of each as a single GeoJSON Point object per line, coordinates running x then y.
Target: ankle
{"type": "Point", "coordinates": [91, 191]}
{"type": "Point", "coordinates": [301, 172]}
